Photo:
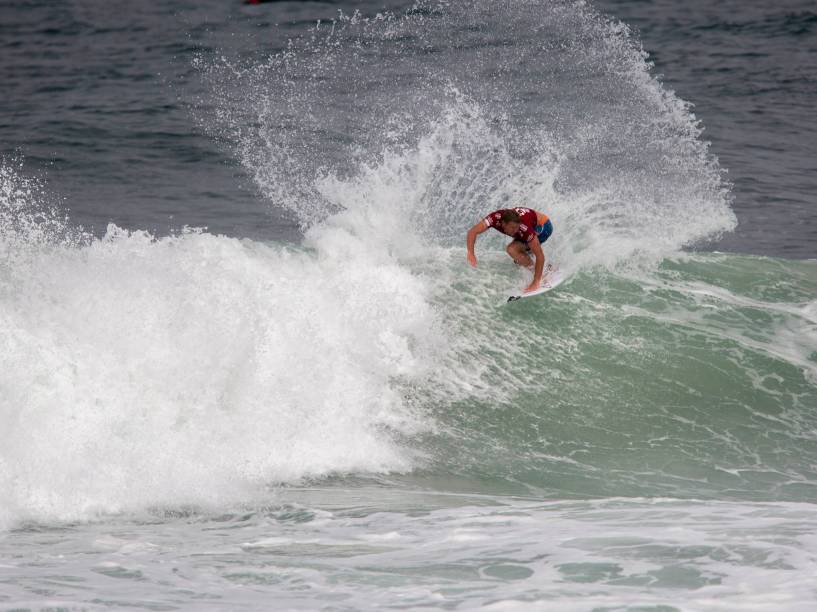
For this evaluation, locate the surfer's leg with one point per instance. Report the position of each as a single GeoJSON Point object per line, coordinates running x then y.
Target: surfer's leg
{"type": "Point", "coordinates": [517, 251]}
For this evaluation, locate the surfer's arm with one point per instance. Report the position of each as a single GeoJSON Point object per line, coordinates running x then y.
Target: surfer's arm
{"type": "Point", "coordinates": [472, 239]}
{"type": "Point", "coordinates": [539, 266]}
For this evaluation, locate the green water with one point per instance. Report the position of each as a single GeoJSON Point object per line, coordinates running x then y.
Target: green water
{"type": "Point", "coordinates": [693, 380]}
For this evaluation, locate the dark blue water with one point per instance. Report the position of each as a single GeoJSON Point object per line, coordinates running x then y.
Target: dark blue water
{"type": "Point", "coordinates": [99, 99]}
{"type": "Point", "coordinates": [750, 69]}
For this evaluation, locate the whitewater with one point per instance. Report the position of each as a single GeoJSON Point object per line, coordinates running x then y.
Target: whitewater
{"type": "Point", "coordinates": [349, 417]}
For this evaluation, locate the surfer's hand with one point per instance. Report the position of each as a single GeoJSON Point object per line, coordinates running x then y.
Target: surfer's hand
{"type": "Point", "coordinates": [533, 286]}
{"type": "Point", "coordinates": [472, 259]}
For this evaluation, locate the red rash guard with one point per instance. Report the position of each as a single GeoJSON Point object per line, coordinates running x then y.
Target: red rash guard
{"type": "Point", "coordinates": [528, 220]}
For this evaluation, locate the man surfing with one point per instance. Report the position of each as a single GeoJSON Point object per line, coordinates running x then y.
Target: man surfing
{"type": "Point", "coordinates": [529, 230]}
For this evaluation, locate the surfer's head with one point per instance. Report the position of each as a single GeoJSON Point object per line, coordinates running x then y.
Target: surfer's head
{"type": "Point", "coordinates": [510, 221]}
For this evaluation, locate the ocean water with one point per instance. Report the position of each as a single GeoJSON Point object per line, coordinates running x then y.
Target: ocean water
{"type": "Point", "coordinates": [245, 366]}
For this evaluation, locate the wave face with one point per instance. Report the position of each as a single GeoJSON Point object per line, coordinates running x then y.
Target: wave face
{"type": "Point", "coordinates": [143, 371]}
{"type": "Point", "coordinates": [694, 380]}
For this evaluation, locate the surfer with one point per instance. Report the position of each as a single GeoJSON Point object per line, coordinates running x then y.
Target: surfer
{"type": "Point", "coordinates": [529, 230]}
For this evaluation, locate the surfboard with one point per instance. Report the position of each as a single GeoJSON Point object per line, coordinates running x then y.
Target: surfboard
{"type": "Point", "coordinates": [552, 278]}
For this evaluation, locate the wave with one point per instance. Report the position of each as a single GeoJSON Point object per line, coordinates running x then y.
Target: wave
{"type": "Point", "coordinates": [694, 380]}
{"type": "Point", "coordinates": [142, 370]}
{"type": "Point", "coordinates": [197, 368]}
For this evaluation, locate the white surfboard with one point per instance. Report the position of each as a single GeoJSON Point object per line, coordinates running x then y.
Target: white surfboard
{"type": "Point", "coordinates": [552, 278]}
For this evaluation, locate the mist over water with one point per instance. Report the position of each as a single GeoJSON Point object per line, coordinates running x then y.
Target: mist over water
{"type": "Point", "coordinates": [548, 104]}
{"type": "Point", "coordinates": [359, 407]}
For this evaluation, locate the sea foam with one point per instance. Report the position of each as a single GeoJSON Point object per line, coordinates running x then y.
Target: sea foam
{"type": "Point", "coordinates": [196, 368]}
